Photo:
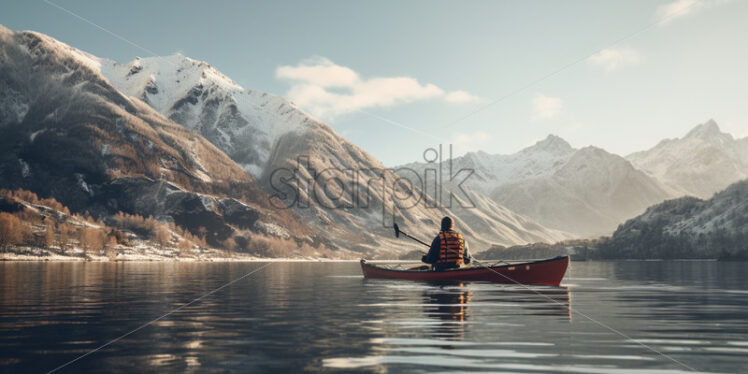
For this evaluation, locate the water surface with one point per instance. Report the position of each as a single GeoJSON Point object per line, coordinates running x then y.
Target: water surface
{"type": "Point", "coordinates": [325, 317]}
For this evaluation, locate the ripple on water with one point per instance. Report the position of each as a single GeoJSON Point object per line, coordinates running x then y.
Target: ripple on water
{"type": "Point", "coordinates": [322, 317]}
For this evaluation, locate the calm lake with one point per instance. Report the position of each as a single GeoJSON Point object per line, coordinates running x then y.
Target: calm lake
{"type": "Point", "coordinates": [290, 317]}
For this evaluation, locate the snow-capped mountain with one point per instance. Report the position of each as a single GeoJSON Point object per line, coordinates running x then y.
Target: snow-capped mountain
{"type": "Point", "coordinates": [491, 170]}
{"type": "Point", "coordinates": [266, 133]}
{"type": "Point", "coordinates": [67, 133]}
{"type": "Point", "coordinates": [699, 164]}
{"type": "Point", "coordinates": [359, 205]}
{"type": "Point", "coordinates": [589, 195]}
{"type": "Point", "coordinates": [540, 193]}
{"type": "Point", "coordinates": [585, 192]}
{"type": "Point", "coordinates": [245, 124]}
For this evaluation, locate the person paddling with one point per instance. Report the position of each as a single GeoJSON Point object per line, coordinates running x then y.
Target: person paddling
{"type": "Point", "coordinates": [448, 249]}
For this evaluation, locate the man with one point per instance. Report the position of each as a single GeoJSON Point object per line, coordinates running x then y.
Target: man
{"type": "Point", "coordinates": [448, 249]}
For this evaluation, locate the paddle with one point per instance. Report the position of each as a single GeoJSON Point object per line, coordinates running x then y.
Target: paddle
{"type": "Point", "coordinates": [397, 235]}
{"type": "Point", "coordinates": [398, 232]}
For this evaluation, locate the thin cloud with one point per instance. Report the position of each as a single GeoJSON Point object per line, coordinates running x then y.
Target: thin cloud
{"type": "Point", "coordinates": [615, 58]}
{"type": "Point", "coordinates": [679, 9]}
{"type": "Point", "coordinates": [545, 107]}
{"type": "Point", "coordinates": [328, 90]}
{"type": "Point", "coordinates": [460, 97]}
{"type": "Point", "coordinates": [319, 71]}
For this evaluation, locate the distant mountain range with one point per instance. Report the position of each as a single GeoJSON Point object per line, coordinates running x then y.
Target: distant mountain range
{"type": "Point", "coordinates": [683, 228]}
{"type": "Point", "coordinates": [585, 191]}
{"type": "Point", "coordinates": [589, 192]}
{"type": "Point", "coordinates": [701, 163]}
{"type": "Point", "coordinates": [174, 138]}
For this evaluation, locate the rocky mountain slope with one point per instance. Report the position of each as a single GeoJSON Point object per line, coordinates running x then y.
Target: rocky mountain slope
{"type": "Point", "coordinates": [68, 133]}
{"type": "Point", "coordinates": [504, 226]}
{"type": "Point", "coordinates": [243, 123]}
{"type": "Point", "coordinates": [699, 164]}
{"type": "Point", "coordinates": [687, 227]}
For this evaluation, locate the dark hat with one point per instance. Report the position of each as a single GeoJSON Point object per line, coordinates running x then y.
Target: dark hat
{"type": "Point", "coordinates": [447, 224]}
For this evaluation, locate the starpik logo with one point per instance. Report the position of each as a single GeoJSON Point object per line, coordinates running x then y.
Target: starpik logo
{"type": "Point", "coordinates": [308, 183]}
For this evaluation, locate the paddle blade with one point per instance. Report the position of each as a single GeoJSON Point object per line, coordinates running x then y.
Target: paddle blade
{"type": "Point", "coordinates": [397, 230]}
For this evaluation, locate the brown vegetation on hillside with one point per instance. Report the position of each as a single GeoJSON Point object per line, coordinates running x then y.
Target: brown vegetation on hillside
{"type": "Point", "coordinates": [29, 221]}
{"type": "Point", "coordinates": [13, 231]}
{"type": "Point", "coordinates": [46, 223]}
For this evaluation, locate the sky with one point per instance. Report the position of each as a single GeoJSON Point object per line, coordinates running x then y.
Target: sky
{"type": "Point", "coordinates": [398, 77]}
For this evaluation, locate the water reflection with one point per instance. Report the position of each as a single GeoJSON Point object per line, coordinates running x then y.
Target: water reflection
{"type": "Point", "coordinates": [321, 317]}
{"type": "Point", "coordinates": [449, 306]}
{"type": "Point", "coordinates": [453, 300]}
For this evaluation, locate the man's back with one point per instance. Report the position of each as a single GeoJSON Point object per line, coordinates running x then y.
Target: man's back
{"type": "Point", "coordinates": [448, 249]}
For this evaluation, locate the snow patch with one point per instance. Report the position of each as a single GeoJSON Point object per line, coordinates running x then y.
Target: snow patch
{"type": "Point", "coordinates": [35, 134]}
{"type": "Point", "coordinates": [82, 184]}
{"type": "Point", "coordinates": [272, 229]}
{"type": "Point", "coordinates": [199, 97]}
{"type": "Point", "coordinates": [25, 169]}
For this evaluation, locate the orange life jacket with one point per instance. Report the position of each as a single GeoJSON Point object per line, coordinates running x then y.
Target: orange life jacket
{"type": "Point", "coordinates": [452, 245]}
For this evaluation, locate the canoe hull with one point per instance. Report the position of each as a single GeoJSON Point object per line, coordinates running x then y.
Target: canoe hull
{"type": "Point", "coordinates": [544, 272]}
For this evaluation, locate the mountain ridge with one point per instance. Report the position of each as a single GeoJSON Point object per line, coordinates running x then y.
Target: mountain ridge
{"type": "Point", "coordinates": [702, 162]}
{"type": "Point", "coordinates": [561, 187]}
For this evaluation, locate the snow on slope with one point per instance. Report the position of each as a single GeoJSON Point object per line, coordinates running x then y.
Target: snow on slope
{"type": "Point", "coordinates": [489, 171]}
{"type": "Point", "coordinates": [701, 163]}
{"type": "Point", "coordinates": [687, 227]}
{"type": "Point", "coordinates": [589, 195]}
{"type": "Point", "coordinates": [366, 207]}
{"type": "Point", "coordinates": [243, 123]}
{"type": "Point", "coordinates": [585, 192]}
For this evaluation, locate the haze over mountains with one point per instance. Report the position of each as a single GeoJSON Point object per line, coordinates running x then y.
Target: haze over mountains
{"type": "Point", "coordinates": [175, 138]}
{"type": "Point", "coordinates": [699, 164]}
{"type": "Point", "coordinates": [589, 192]}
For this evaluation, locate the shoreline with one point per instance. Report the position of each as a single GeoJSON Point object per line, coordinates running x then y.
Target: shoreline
{"type": "Point", "coordinates": [4, 258]}
{"type": "Point", "coordinates": [141, 259]}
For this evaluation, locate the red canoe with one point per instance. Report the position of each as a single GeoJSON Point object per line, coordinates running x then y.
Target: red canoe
{"type": "Point", "coordinates": [542, 272]}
